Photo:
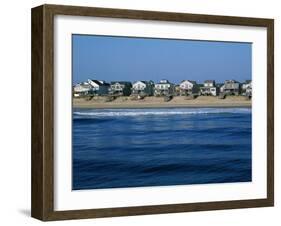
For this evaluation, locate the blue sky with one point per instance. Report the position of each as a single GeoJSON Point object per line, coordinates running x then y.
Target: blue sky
{"type": "Point", "coordinates": [130, 59]}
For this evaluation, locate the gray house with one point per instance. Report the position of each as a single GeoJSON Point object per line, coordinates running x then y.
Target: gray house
{"type": "Point", "coordinates": [163, 88]}
{"type": "Point", "coordinates": [99, 87]}
{"type": "Point", "coordinates": [144, 88]}
{"type": "Point", "coordinates": [120, 88]}
{"type": "Point", "coordinates": [231, 87]}
{"type": "Point", "coordinates": [209, 88]}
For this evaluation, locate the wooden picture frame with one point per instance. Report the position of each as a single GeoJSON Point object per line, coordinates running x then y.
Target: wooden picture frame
{"type": "Point", "coordinates": [43, 112]}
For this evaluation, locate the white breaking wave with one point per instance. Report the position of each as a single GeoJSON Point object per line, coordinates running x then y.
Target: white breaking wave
{"type": "Point", "coordinates": [160, 112]}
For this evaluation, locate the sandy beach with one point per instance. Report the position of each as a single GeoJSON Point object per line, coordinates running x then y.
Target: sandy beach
{"type": "Point", "coordinates": [158, 102]}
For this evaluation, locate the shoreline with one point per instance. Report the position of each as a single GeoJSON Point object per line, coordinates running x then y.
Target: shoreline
{"type": "Point", "coordinates": [154, 102]}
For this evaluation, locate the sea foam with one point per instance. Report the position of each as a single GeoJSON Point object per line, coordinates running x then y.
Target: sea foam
{"type": "Point", "coordinates": [158, 112]}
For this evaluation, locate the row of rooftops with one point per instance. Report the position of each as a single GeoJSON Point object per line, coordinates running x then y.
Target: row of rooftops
{"type": "Point", "coordinates": [163, 81]}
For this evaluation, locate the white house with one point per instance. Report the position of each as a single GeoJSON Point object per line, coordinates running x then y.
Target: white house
{"type": "Point", "coordinates": [209, 88]}
{"type": "Point", "coordinates": [143, 87]}
{"type": "Point", "coordinates": [82, 89]}
{"type": "Point", "coordinates": [247, 88]}
{"type": "Point", "coordinates": [99, 87]}
{"type": "Point", "coordinates": [188, 87]}
{"type": "Point", "coordinates": [164, 87]}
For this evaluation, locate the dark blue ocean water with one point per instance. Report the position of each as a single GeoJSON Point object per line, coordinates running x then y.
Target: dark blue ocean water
{"type": "Point", "coordinates": [115, 148]}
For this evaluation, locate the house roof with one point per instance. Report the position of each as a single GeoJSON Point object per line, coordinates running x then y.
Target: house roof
{"type": "Point", "coordinates": [191, 81]}
{"type": "Point", "coordinates": [121, 82]}
{"type": "Point", "coordinates": [99, 82]}
{"type": "Point", "coordinates": [209, 81]}
{"type": "Point", "coordinates": [145, 82]}
{"type": "Point", "coordinates": [82, 84]}
{"type": "Point", "coordinates": [231, 81]}
{"type": "Point", "coordinates": [96, 81]}
{"type": "Point", "coordinates": [164, 81]}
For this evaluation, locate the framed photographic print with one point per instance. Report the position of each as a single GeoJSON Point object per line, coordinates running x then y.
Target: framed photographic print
{"type": "Point", "coordinates": [141, 112]}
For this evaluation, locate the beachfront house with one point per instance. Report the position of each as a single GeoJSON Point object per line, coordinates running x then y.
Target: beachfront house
{"type": "Point", "coordinates": [120, 88]}
{"type": "Point", "coordinates": [209, 88]}
{"type": "Point", "coordinates": [247, 88]}
{"type": "Point", "coordinates": [163, 88]}
{"type": "Point", "coordinates": [144, 88]}
{"type": "Point", "coordinates": [188, 87]}
{"type": "Point", "coordinates": [82, 89]}
{"type": "Point", "coordinates": [99, 87]}
{"type": "Point", "coordinates": [231, 87]}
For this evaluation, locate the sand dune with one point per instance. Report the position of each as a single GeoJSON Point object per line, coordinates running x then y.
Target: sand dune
{"type": "Point", "coordinates": [150, 102]}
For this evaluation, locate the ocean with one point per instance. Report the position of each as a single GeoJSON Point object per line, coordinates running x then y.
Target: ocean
{"type": "Point", "coordinates": [118, 148]}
